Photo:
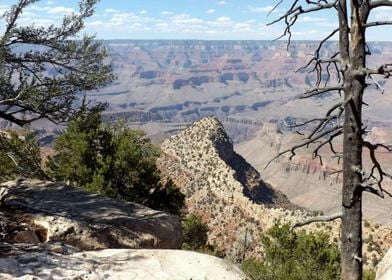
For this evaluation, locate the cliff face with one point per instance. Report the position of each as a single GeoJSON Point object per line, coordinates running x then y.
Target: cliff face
{"type": "Point", "coordinates": [304, 180]}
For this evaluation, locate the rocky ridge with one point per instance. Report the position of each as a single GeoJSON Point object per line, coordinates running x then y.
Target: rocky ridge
{"type": "Point", "coordinates": [222, 187]}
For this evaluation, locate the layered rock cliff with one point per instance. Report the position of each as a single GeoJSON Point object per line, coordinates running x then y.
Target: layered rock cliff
{"type": "Point", "coordinates": [304, 180]}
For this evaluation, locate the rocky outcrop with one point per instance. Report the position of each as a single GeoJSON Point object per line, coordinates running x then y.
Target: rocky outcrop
{"type": "Point", "coordinates": [118, 264]}
{"type": "Point", "coordinates": [205, 149]}
{"type": "Point", "coordinates": [222, 187]}
{"type": "Point", "coordinates": [53, 212]}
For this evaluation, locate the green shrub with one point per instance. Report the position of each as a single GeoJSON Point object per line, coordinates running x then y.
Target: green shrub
{"type": "Point", "coordinates": [194, 232]}
{"type": "Point", "coordinates": [290, 255]}
{"type": "Point", "coordinates": [19, 156]}
{"type": "Point", "coordinates": [114, 161]}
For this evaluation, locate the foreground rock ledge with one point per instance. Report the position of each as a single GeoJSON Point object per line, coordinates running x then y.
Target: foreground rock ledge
{"type": "Point", "coordinates": [59, 213]}
{"type": "Point", "coordinates": [119, 264]}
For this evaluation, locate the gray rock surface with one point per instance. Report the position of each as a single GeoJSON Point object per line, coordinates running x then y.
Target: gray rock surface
{"type": "Point", "coordinates": [88, 221]}
{"type": "Point", "coordinates": [118, 264]}
{"type": "Point", "coordinates": [384, 270]}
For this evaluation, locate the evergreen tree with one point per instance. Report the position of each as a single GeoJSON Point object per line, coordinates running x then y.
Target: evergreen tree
{"type": "Point", "coordinates": [195, 233]}
{"type": "Point", "coordinates": [113, 161]}
{"type": "Point", "coordinates": [44, 69]}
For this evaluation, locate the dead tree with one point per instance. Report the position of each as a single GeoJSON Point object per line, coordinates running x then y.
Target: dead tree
{"type": "Point", "coordinates": [347, 74]}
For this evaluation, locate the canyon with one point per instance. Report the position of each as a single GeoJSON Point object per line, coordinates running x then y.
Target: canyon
{"type": "Point", "coordinates": [253, 89]}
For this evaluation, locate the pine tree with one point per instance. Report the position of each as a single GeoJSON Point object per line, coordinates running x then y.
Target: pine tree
{"type": "Point", "coordinates": [43, 70]}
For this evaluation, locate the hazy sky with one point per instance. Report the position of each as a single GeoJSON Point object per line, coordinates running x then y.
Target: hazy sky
{"type": "Point", "coordinates": [191, 19]}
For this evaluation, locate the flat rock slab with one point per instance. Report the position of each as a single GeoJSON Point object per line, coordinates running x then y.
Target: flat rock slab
{"type": "Point", "coordinates": [90, 221]}
{"type": "Point", "coordinates": [114, 264]}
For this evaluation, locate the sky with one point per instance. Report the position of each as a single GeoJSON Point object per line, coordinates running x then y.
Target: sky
{"type": "Point", "coordinates": [191, 19]}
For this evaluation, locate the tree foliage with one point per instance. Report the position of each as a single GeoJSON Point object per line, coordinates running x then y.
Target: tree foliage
{"type": "Point", "coordinates": [114, 161]}
{"type": "Point", "coordinates": [43, 70]}
{"type": "Point", "coordinates": [290, 255]}
{"type": "Point", "coordinates": [19, 156]}
{"type": "Point", "coordinates": [194, 232]}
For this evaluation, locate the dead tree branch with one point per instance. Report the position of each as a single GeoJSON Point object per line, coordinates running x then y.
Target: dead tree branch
{"type": "Point", "coordinates": [318, 219]}
{"type": "Point", "coordinates": [381, 174]}
{"type": "Point", "coordinates": [292, 14]}
{"type": "Point", "coordinates": [381, 88]}
{"type": "Point", "coordinates": [318, 91]}
{"type": "Point", "coordinates": [378, 23]}
{"type": "Point", "coordinates": [335, 131]}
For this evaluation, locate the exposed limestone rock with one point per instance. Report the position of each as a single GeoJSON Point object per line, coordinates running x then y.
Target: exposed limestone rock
{"type": "Point", "coordinates": [55, 212]}
{"type": "Point", "coordinates": [118, 264]}
{"type": "Point", "coordinates": [384, 270]}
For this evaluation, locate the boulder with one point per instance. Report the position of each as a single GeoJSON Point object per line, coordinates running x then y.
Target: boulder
{"type": "Point", "coordinates": [384, 268]}
{"type": "Point", "coordinates": [118, 264]}
{"type": "Point", "coordinates": [54, 212]}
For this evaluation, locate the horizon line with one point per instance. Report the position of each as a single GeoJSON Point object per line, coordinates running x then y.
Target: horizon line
{"type": "Point", "coordinates": [233, 40]}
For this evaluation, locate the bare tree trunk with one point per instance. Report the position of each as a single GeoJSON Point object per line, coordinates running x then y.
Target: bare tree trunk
{"type": "Point", "coordinates": [354, 85]}
{"type": "Point", "coordinates": [351, 242]}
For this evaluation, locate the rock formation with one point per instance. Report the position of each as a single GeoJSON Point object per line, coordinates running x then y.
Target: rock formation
{"type": "Point", "coordinates": [42, 212]}
{"type": "Point", "coordinates": [118, 264]}
{"type": "Point", "coordinates": [222, 187]}
{"type": "Point", "coordinates": [206, 150]}
{"type": "Point", "coordinates": [47, 231]}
